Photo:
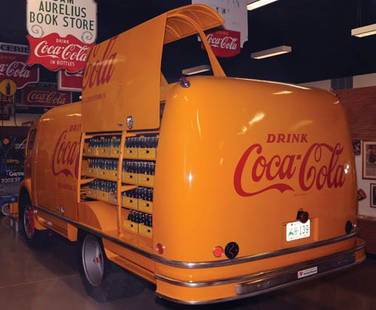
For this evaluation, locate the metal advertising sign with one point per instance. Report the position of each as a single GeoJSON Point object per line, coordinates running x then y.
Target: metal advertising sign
{"type": "Point", "coordinates": [69, 81]}
{"type": "Point", "coordinates": [225, 43]}
{"type": "Point", "coordinates": [13, 67]}
{"type": "Point", "coordinates": [11, 159]}
{"type": "Point", "coordinates": [234, 12]}
{"type": "Point", "coordinates": [45, 97]}
{"type": "Point", "coordinates": [61, 32]}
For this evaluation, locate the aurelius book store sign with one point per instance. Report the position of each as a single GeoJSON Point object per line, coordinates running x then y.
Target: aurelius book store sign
{"type": "Point", "coordinates": [61, 32]}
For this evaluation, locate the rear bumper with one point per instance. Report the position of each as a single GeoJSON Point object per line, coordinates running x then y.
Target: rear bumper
{"type": "Point", "coordinates": [270, 280]}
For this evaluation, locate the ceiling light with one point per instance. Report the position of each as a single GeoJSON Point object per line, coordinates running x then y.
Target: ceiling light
{"type": "Point", "coordinates": [364, 31]}
{"type": "Point", "coordinates": [255, 4]}
{"type": "Point", "coordinates": [283, 49]}
{"type": "Point", "coordinates": [195, 70]}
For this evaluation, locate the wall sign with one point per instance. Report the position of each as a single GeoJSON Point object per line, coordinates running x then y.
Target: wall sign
{"type": "Point", "coordinates": [69, 81]}
{"type": "Point", "coordinates": [45, 97]}
{"type": "Point", "coordinates": [11, 159]}
{"type": "Point", "coordinates": [13, 58]}
{"type": "Point", "coordinates": [61, 32]}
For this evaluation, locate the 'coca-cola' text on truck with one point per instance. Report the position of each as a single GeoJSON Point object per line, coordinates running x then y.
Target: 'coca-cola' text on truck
{"type": "Point", "coordinates": [212, 188]}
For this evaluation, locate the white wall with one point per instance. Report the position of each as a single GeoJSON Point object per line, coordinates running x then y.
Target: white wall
{"type": "Point", "coordinates": [324, 84]}
{"type": "Point", "coordinates": [364, 80]}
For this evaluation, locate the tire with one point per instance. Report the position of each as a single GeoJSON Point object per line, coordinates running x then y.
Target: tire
{"type": "Point", "coordinates": [4, 210]}
{"type": "Point", "coordinates": [34, 238]}
{"type": "Point", "coordinates": [103, 280]}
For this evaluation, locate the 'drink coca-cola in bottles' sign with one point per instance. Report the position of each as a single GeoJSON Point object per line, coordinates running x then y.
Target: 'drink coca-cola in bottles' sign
{"type": "Point", "coordinates": [61, 32]}
{"type": "Point", "coordinates": [13, 58]}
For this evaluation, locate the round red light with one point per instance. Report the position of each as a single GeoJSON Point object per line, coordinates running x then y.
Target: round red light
{"type": "Point", "coordinates": [218, 251]}
{"type": "Point", "coordinates": [159, 248]}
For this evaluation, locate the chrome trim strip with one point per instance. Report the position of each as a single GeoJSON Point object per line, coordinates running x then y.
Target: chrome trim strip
{"type": "Point", "coordinates": [253, 276]}
{"type": "Point", "coordinates": [314, 277]}
{"type": "Point", "coordinates": [207, 264]}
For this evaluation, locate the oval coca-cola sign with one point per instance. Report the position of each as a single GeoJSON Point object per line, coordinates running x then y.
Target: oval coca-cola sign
{"type": "Point", "coordinates": [320, 166]}
{"type": "Point", "coordinates": [225, 43]}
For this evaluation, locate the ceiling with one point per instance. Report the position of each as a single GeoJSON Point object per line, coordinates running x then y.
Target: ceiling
{"type": "Point", "coordinates": [318, 31]}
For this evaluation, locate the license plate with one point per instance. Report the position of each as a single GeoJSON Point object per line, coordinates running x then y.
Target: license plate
{"type": "Point", "coordinates": [298, 230]}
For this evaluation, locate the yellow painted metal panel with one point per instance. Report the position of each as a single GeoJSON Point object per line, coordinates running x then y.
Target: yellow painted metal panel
{"type": "Point", "coordinates": [122, 78]}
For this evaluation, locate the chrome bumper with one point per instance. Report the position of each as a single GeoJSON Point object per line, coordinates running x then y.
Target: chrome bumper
{"type": "Point", "coordinates": [270, 280]}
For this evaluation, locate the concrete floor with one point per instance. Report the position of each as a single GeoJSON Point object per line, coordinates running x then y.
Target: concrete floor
{"type": "Point", "coordinates": [49, 279]}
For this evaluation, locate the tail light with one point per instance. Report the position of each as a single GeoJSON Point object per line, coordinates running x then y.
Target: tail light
{"type": "Point", "coordinates": [218, 251]}
{"type": "Point", "coordinates": [159, 248]}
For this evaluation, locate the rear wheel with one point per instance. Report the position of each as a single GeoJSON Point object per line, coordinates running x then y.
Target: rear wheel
{"type": "Point", "coordinates": [35, 238]}
{"type": "Point", "coordinates": [103, 280]}
{"type": "Point", "coordinates": [4, 210]}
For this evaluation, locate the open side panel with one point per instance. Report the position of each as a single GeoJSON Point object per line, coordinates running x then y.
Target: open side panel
{"type": "Point", "coordinates": [122, 77]}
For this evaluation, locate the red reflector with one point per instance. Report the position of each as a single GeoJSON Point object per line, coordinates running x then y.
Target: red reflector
{"type": "Point", "coordinates": [159, 248]}
{"type": "Point", "coordinates": [218, 251]}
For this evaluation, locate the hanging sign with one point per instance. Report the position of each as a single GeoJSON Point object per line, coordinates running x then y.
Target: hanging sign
{"type": "Point", "coordinates": [61, 32]}
{"type": "Point", "coordinates": [54, 53]}
{"type": "Point", "coordinates": [235, 14]}
{"type": "Point", "coordinates": [225, 43]}
{"type": "Point", "coordinates": [69, 81]}
{"type": "Point", "coordinates": [13, 68]}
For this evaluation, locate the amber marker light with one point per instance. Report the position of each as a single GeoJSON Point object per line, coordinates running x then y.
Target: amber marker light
{"type": "Point", "coordinates": [218, 251]}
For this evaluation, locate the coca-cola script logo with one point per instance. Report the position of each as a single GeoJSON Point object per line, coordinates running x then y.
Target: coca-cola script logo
{"type": "Point", "coordinates": [13, 67]}
{"type": "Point", "coordinates": [65, 158]}
{"type": "Point", "coordinates": [55, 52]}
{"type": "Point", "coordinates": [318, 168]}
{"type": "Point", "coordinates": [45, 97]}
{"type": "Point", "coordinates": [225, 43]}
{"type": "Point", "coordinates": [100, 67]}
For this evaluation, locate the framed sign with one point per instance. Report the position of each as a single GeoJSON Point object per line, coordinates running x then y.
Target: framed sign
{"type": "Point", "coordinates": [369, 160]}
{"type": "Point", "coordinates": [373, 195]}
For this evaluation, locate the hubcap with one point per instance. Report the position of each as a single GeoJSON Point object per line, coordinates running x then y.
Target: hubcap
{"type": "Point", "coordinates": [28, 221]}
{"type": "Point", "coordinates": [93, 260]}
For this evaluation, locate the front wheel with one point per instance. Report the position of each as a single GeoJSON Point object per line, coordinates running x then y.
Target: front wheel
{"type": "Point", "coordinates": [35, 238]}
{"type": "Point", "coordinates": [103, 280]}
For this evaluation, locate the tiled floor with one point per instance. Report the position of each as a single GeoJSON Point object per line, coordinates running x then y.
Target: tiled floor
{"type": "Point", "coordinates": [40, 280]}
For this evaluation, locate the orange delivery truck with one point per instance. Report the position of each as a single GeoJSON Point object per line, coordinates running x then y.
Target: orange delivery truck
{"type": "Point", "coordinates": [212, 188]}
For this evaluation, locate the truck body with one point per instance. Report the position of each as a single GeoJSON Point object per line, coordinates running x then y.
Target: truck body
{"type": "Point", "coordinates": [212, 188]}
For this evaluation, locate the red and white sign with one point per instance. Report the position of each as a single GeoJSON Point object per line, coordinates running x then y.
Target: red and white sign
{"type": "Point", "coordinates": [70, 81]}
{"type": "Point", "coordinates": [45, 97]}
{"type": "Point", "coordinates": [55, 53]}
{"type": "Point", "coordinates": [61, 32]}
{"type": "Point", "coordinates": [13, 58]}
{"type": "Point", "coordinates": [234, 12]}
{"type": "Point", "coordinates": [225, 43]}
